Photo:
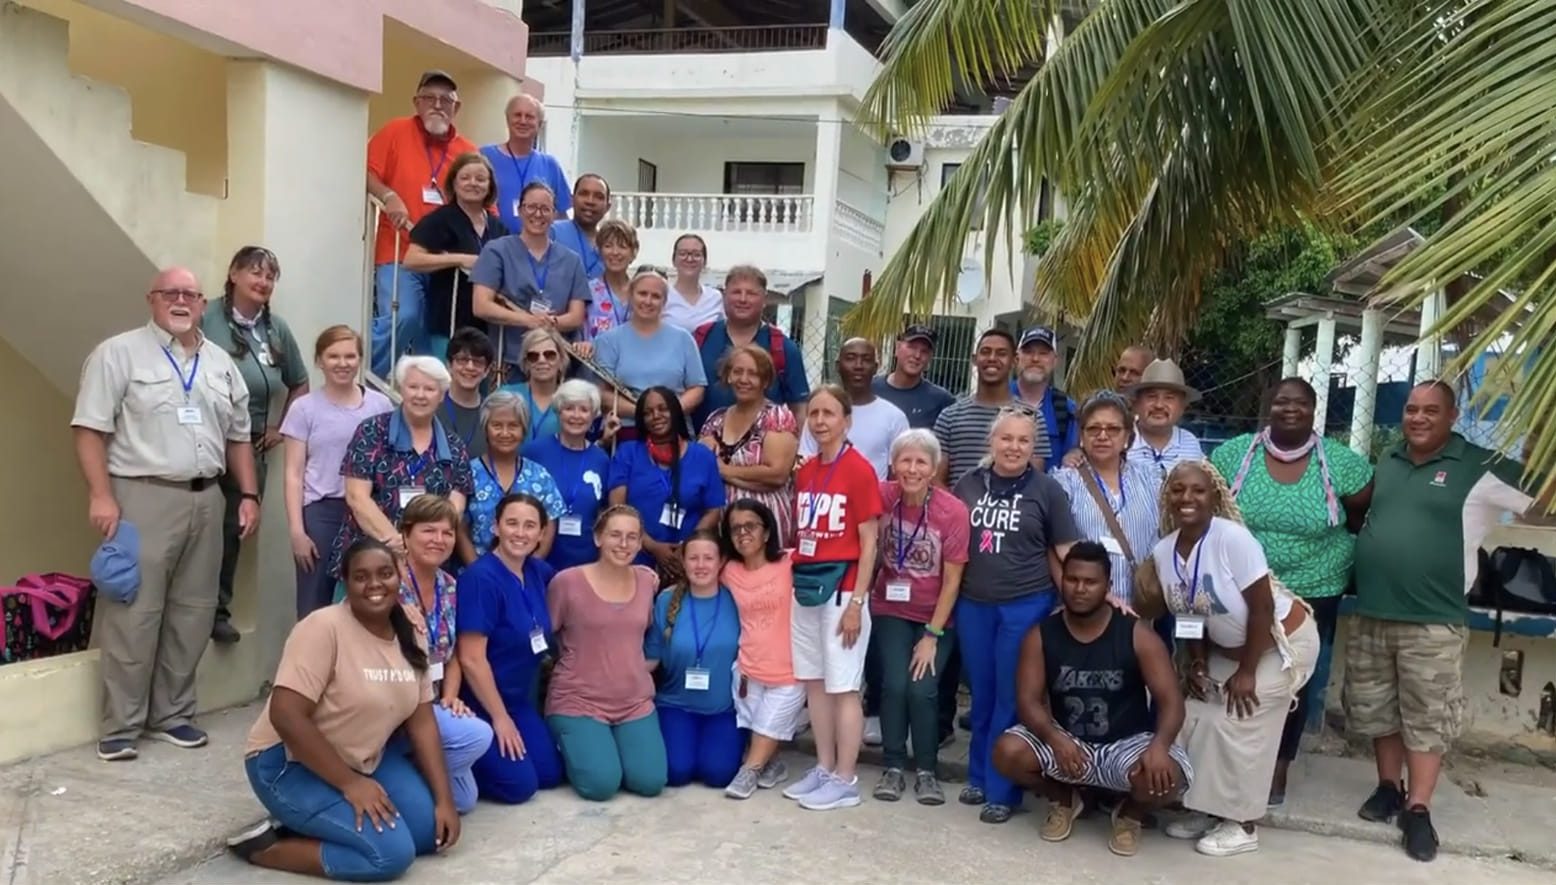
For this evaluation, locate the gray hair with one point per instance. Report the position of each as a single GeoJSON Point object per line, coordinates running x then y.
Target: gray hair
{"type": "Point", "coordinates": [430, 366]}
{"type": "Point", "coordinates": [917, 438]}
{"type": "Point", "coordinates": [505, 399]}
{"type": "Point", "coordinates": [1006, 413]}
{"type": "Point", "coordinates": [577, 392]}
{"type": "Point", "coordinates": [536, 336]}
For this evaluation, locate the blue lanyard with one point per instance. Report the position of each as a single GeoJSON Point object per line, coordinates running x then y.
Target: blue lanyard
{"type": "Point", "coordinates": [698, 640]}
{"type": "Point", "coordinates": [523, 597]}
{"type": "Point", "coordinates": [1193, 583]}
{"type": "Point", "coordinates": [522, 173]}
{"type": "Point", "coordinates": [541, 271]}
{"type": "Point", "coordinates": [194, 371]}
{"type": "Point", "coordinates": [1123, 490]}
{"type": "Point", "coordinates": [435, 617]}
{"type": "Point", "coordinates": [620, 308]}
{"type": "Point", "coordinates": [453, 422]}
{"type": "Point", "coordinates": [415, 467]}
{"type": "Point", "coordinates": [518, 473]}
{"type": "Point", "coordinates": [577, 476]}
{"type": "Point", "coordinates": [827, 479]}
{"type": "Point", "coordinates": [904, 547]}
{"type": "Point", "coordinates": [583, 251]}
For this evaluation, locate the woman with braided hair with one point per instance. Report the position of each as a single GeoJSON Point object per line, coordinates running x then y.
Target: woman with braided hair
{"type": "Point", "coordinates": [692, 642]}
{"type": "Point", "coordinates": [1251, 645]}
{"type": "Point", "coordinates": [1303, 497]}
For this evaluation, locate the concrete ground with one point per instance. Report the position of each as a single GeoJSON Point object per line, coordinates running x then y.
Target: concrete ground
{"type": "Point", "coordinates": [68, 819]}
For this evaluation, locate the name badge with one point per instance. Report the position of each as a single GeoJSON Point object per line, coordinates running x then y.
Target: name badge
{"type": "Point", "coordinates": [807, 546]}
{"type": "Point", "coordinates": [431, 196]}
{"type": "Point", "coordinates": [1189, 627]}
{"type": "Point", "coordinates": [697, 679]}
{"type": "Point", "coordinates": [671, 516]}
{"type": "Point", "coordinates": [537, 641]}
{"type": "Point", "coordinates": [409, 494]}
{"type": "Point", "coordinates": [1111, 545]}
{"type": "Point", "coordinates": [899, 591]}
{"type": "Point", "coordinates": [540, 305]}
{"type": "Point", "coordinates": [190, 415]}
{"type": "Point", "coordinates": [570, 525]}
{"type": "Point", "coordinates": [435, 671]}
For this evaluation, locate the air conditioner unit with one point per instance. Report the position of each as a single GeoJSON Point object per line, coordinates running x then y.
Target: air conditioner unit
{"type": "Point", "coordinates": [902, 153]}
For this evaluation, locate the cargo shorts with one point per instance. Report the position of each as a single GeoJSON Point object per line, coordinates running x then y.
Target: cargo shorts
{"type": "Point", "coordinates": [1407, 679]}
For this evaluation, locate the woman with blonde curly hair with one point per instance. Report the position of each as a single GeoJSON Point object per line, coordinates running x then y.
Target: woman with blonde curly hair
{"type": "Point", "coordinates": [1251, 645]}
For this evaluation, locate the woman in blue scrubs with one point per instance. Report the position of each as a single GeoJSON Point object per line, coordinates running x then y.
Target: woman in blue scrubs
{"type": "Point", "coordinates": [579, 469]}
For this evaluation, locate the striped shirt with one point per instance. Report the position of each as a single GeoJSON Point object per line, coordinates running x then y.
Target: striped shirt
{"type": "Point", "coordinates": [1184, 446]}
{"type": "Point", "coordinates": [1137, 511]}
{"type": "Point", "coordinates": [963, 432]}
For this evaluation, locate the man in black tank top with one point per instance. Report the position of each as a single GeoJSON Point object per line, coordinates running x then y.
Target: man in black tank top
{"type": "Point", "coordinates": [1082, 687]}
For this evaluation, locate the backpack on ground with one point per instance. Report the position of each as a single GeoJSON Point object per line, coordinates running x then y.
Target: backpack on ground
{"type": "Point", "coordinates": [1515, 579]}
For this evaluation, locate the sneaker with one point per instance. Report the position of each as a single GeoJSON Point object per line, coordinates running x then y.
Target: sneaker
{"type": "Point", "coordinates": [744, 784]}
{"type": "Point", "coordinates": [253, 840]}
{"type": "Point", "coordinates": [1125, 839]}
{"type": "Point", "coordinates": [223, 633]}
{"type": "Point", "coordinates": [1190, 826]}
{"type": "Point", "coordinates": [872, 731]}
{"type": "Point", "coordinates": [1385, 803]}
{"type": "Point", "coordinates": [116, 750]}
{"type": "Point", "coordinates": [994, 813]}
{"type": "Point", "coordinates": [835, 793]}
{"type": "Point", "coordinates": [891, 785]}
{"type": "Point", "coordinates": [772, 774]}
{"type": "Point", "coordinates": [186, 736]}
{"type": "Point", "coordinates": [927, 789]}
{"type": "Point", "coordinates": [810, 783]}
{"type": "Point", "coordinates": [971, 795]}
{"type": "Point", "coordinates": [1060, 822]}
{"type": "Point", "coordinates": [1227, 839]}
{"type": "Point", "coordinates": [1418, 836]}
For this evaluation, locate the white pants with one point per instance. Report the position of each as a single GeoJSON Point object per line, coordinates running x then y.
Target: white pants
{"type": "Point", "coordinates": [818, 648]}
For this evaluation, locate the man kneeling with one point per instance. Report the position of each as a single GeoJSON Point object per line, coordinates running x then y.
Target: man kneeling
{"type": "Point", "coordinates": [1089, 667]}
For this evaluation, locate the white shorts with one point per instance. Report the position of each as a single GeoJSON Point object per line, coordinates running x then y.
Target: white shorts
{"type": "Point", "coordinates": [771, 711]}
{"type": "Point", "coordinates": [818, 649]}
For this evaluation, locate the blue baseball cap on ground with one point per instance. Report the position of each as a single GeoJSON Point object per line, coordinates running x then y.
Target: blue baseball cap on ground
{"type": "Point", "coordinates": [116, 564]}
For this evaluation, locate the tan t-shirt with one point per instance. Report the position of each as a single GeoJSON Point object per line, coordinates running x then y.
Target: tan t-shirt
{"type": "Point", "coordinates": [363, 686]}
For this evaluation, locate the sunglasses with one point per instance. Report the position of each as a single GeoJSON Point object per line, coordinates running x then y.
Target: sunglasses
{"type": "Point", "coordinates": [536, 356]}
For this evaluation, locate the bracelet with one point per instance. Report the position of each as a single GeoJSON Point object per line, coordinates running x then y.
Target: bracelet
{"type": "Point", "coordinates": [934, 631]}
{"type": "Point", "coordinates": [249, 496]}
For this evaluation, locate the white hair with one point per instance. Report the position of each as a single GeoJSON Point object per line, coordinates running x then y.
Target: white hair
{"type": "Point", "coordinates": [1007, 413]}
{"type": "Point", "coordinates": [575, 392]}
{"type": "Point", "coordinates": [430, 366]}
{"type": "Point", "coordinates": [499, 400]}
{"type": "Point", "coordinates": [917, 438]}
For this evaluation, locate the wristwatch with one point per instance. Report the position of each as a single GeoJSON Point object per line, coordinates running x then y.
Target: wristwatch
{"type": "Point", "coordinates": [860, 599]}
{"type": "Point", "coordinates": [249, 496]}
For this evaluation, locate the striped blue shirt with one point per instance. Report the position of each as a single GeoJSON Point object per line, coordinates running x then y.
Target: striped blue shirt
{"type": "Point", "coordinates": [1184, 446]}
{"type": "Point", "coordinates": [1137, 515]}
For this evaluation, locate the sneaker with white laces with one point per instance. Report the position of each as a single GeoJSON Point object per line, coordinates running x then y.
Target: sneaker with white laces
{"type": "Point", "coordinates": [810, 783]}
{"type": "Point", "coordinates": [1227, 839]}
{"type": "Point", "coordinates": [872, 731]}
{"type": "Point", "coordinates": [1189, 826]}
{"type": "Point", "coordinates": [744, 784]}
{"type": "Point", "coordinates": [835, 793]}
{"type": "Point", "coordinates": [772, 774]}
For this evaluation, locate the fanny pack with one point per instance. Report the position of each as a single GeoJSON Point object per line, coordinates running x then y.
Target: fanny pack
{"type": "Point", "coordinates": [816, 582]}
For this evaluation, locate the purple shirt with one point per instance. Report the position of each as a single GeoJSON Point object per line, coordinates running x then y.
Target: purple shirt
{"type": "Point", "coordinates": [326, 429]}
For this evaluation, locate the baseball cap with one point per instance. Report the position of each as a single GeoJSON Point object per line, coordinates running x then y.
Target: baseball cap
{"type": "Point", "coordinates": [116, 564]}
{"type": "Point", "coordinates": [1038, 335]}
{"type": "Point", "coordinates": [437, 77]}
{"type": "Point", "coordinates": [918, 331]}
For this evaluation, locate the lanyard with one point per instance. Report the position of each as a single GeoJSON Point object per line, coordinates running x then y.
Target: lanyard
{"type": "Point", "coordinates": [583, 251]}
{"type": "Point", "coordinates": [1123, 490]}
{"type": "Point", "coordinates": [619, 308]}
{"type": "Point", "coordinates": [194, 370]}
{"type": "Point", "coordinates": [522, 173]}
{"type": "Point", "coordinates": [523, 597]}
{"type": "Point", "coordinates": [577, 475]}
{"type": "Point", "coordinates": [439, 167]}
{"type": "Point", "coordinates": [453, 422]}
{"type": "Point", "coordinates": [518, 473]}
{"type": "Point", "coordinates": [1193, 583]}
{"type": "Point", "coordinates": [414, 467]}
{"type": "Point", "coordinates": [541, 271]}
{"type": "Point", "coordinates": [698, 640]}
{"type": "Point", "coordinates": [827, 479]}
{"type": "Point", "coordinates": [904, 547]}
{"type": "Point", "coordinates": [434, 617]}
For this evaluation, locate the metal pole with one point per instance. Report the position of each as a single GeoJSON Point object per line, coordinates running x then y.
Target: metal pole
{"type": "Point", "coordinates": [394, 305]}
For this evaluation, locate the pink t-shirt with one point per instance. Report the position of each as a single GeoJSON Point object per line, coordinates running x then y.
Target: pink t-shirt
{"type": "Point", "coordinates": [765, 600]}
{"type": "Point", "coordinates": [601, 672]}
{"type": "Point", "coordinates": [914, 545]}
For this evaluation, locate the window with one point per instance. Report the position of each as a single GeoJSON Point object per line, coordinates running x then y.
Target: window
{"type": "Point", "coordinates": [764, 178]}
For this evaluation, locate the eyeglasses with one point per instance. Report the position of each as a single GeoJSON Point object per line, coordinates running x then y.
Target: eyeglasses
{"type": "Point", "coordinates": [745, 528]}
{"type": "Point", "coordinates": [536, 356]}
{"type": "Point", "coordinates": [537, 209]}
{"type": "Point", "coordinates": [438, 101]}
{"type": "Point", "coordinates": [174, 296]}
{"type": "Point", "coordinates": [466, 359]}
{"type": "Point", "coordinates": [1104, 430]}
{"type": "Point", "coordinates": [687, 254]}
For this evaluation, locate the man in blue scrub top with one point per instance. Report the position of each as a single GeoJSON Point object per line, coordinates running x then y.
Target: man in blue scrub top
{"type": "Point", "coordinates": [1035, 360]}
{"type": "Point", "coordinates": [518, 161]}
{"type": "Point", "coordinates": [591, 200]}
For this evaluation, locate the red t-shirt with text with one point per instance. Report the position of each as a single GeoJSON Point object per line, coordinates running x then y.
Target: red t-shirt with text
{"type": "Point", "coordinates": [831, 501]}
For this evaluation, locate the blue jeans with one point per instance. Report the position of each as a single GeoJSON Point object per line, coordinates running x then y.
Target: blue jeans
{"type": "Point", "coordinates": [465, 739]}
{"type": "Point", "coordinates": [989, 636]}
{"type": "Point", "coordinates": [410, 323]}
{"type": "Point", "coordinates": [603, 759]}
{"type": "Point", "coordinates": [511, 781]}
{"type": "Point", "coordinates": [701, 746]}
{"type": "Point", "coordinates": [305, 804]}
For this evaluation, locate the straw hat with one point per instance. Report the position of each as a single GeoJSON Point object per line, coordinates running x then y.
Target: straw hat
{"type": "Point", "coordinates": [1164, 374]}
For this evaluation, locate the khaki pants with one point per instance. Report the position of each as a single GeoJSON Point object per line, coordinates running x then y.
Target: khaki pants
{"type": "Point", "coordinates": [150, 648]}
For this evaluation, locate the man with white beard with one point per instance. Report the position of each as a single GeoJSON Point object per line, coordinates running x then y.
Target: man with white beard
{"type": "Point", "coordinates": [161, 414]}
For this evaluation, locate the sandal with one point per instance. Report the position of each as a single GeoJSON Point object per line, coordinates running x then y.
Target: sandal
{"type": "Point", "coordinates": [996, 814]}
{"type": "Point", "coordinates": [971, 795]}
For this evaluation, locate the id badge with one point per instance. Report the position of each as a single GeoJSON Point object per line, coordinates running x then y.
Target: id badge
{"type": "Point", "coordinates": [435, 671]}
{"type": "Point", "coordinates": [899, 591]}
{"type": "Point", "coordinates": [570, 526]}
{"type": "Point", "coordinates": [807, 546]}
{"type": "Point", "coordinates": [409, 494]}
{"type": "Point", "coordinates": [431, 196]}
{"type": "Point", "coordinates": [1111, 545]}
{"type": "Point", "coordinates": [697, 679]}
{"type": "Point", "coordinates": [537, 641]}
{"type": "Point", "coordinates": [540, 305]}
{"type": "Point", "coordinates": [190, 416]}
{"type": "Point", "coordinates": [1189, 627]}
{"type": "Point", "coordinates": [671, 516]}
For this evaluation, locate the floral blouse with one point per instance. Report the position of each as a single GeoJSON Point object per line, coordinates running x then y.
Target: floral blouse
{"type": "Point", "coordinates": [481, 512]}
{"type": "Point", "coordinates": [440, 648]}
{"type": "Point", "coordinates": [746, 451]}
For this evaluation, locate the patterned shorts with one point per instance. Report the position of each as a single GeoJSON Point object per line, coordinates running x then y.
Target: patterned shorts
{"type": "Point", "coordinates": [1107, 765]}
{"type": "Point", "coordinates": [1406, 679]}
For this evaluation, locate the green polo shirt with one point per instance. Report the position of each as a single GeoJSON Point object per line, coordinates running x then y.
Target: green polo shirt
{"type": "Point", "coordinates": [269, 361]}
{"type": "Point", "coordinates": [1417, 555]}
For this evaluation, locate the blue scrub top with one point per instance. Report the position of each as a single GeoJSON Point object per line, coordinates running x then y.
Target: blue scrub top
{"type": "Point", "coordinates": [493, 602]}
{"type": "Point", "coordinates": [713, 624]}
{"type": "Point", "coordinates": [648, 490]}
{"type": "Point", "coordinates": [580, 479]}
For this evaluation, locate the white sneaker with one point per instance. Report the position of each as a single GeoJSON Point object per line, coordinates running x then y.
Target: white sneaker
{"type": "Point", "coordinates": [1227, 839]}
{"type": "Point", "coordinates": [835, 793]}
{"type": "Point", "coordinates": [810, 783]}
{"type": "Point", "coordinates": [872, 731]}
{"type": "Point", "coordinates": [1189, 826]}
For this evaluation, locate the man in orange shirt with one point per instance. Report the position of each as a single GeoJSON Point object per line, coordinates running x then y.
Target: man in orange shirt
{"type": "Point", "coordinates": [406, 162]}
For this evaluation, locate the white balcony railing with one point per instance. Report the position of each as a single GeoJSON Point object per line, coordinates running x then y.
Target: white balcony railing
{"type": "Point", "coordinates": [858, 228]}
{"type": "Point", "coordinates": [782, 214]}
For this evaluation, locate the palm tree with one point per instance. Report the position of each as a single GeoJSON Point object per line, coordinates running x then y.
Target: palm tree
{"type": "Point", "coordinates": [1177, 129]}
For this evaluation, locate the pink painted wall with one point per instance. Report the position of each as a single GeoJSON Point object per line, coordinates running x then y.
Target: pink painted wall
{"type": "Point", "coordinates": [338, 39]}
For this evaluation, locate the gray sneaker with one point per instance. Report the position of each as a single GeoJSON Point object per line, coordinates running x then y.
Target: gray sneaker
{"type": "Point", "coordinates": [744, 784]}
{"type": "Point", "coordinates": [890, 786]}
{"type": "Point", "coordinates": [835, 793]}
{"type": "Point", "coordinates": [772, 774]}
{"type": "Point", "coordinates": [927, 789]}
{"type": "Point", "coordinates": [810, 783]}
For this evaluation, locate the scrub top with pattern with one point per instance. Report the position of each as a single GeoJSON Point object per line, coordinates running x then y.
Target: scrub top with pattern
{"type": "Point", "coordinates": [481, 513]}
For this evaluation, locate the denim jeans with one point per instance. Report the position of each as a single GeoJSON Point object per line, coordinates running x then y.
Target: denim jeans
{"type": "Point", "coordinates": [322, 520]}
{"type": "Point", "coordinates": [309, 806]}
{"type": "Point", "coordinates": [704, 747]}
{"type": "Point", "coordinates": [409, 322]}
{"type": "Point", "coordinates": [602, 759]}
{"type": "Point", "coordinates": [989, 635]}
{"type": "Point", "coordinates": [908, 704]}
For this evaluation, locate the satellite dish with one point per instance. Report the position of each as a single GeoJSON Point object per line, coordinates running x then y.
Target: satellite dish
{"type": "Point", "coordinates": [969, 283]}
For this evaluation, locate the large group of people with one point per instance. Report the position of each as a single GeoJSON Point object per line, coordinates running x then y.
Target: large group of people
{"type": "Point", "coordinates": [654, 566]}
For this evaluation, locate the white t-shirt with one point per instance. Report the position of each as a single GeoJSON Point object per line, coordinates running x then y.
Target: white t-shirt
{"type": "Point", "coordinates": [680, 312]}
{"type": "Point", "coordinates": [1229, 560]}
{"type": "Point", "coordinates": [876, 425]}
